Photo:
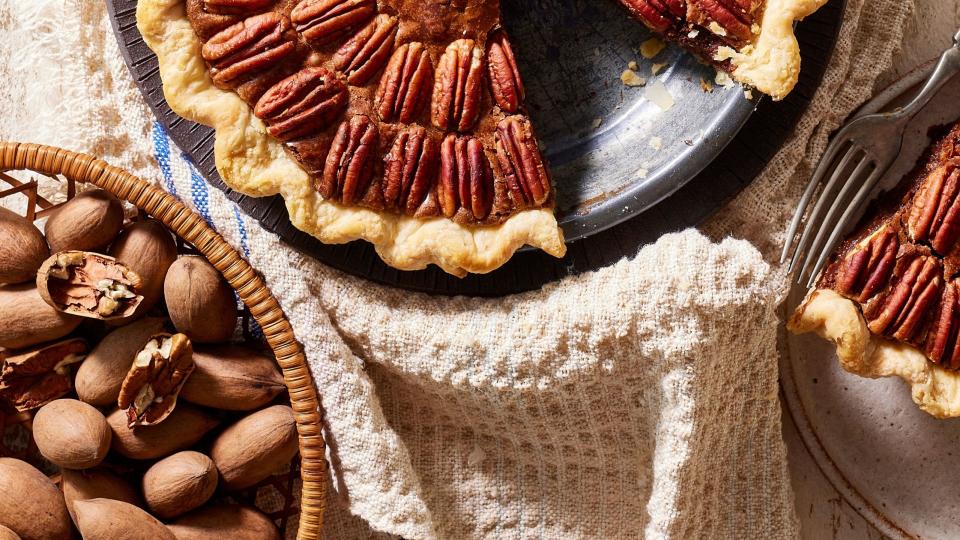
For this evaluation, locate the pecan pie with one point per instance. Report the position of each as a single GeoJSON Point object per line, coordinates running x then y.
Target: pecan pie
{"type": "Point", "coordinates": [403, 122]}
{"type": "Point", "coordinates": [889, 297]}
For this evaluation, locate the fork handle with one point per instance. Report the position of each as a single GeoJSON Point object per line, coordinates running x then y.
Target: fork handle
{"type": "Point", "coordinates": [947, 67]}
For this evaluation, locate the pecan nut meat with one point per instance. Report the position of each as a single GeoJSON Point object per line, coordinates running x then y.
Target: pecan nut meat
{"type": "Point", "coordinates": [249, 46]}
{"type": "Point", "coordinates": [405, 86]}
{"type": "Point", "coordinates": [32, 378]}
{"type": "Point", "coordinates": [934, 216]}
{"type": "Point", "coordinates": [521, 165]}
{"type": "Point", "coordinates": [941, 343]}
{"type": "Point", "coordinates": [505, 83]}
{"type": "Point", "coordinates": [235, 7]}
{"type": "Point", "coordinates": [302, 104]}
{"type": "Point", "coordinates": [732, 20]}
{"type": "Point", "coordinates": [89, 285]}
{"type": "Point", "coordinates": [866, 268]}
{"type": "Point", "coordinates": [458, 85]}
{"type": "Point", "coordinates": [901, 310]}
{"type": "Point", "coordinates": [410, 170]}
{"type": "Point", "coordinates": [324, 21]}
{"type": "Point", "coordinates": [363, 55]}
{"type": "Point", "coordinates": [659, 15]}
{"type": "Point", "coordinates": [349, 167]}
{"type": "Point", "coordinates": [466, 180]}
{"type": "Point", "coordinates": [150, 389]}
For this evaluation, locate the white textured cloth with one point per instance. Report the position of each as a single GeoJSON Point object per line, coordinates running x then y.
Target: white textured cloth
{"type": "Point", "coordinates": [640, 399]}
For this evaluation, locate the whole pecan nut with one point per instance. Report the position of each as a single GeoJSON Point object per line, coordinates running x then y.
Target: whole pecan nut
{"type": "Point", "coordinates": [867, 267]}
{"type": "Point", "coordinates": [249, 46]}
{"type": "Point", "coordinates": [302, 104]}
{"type": "Point", "coordinates": [89, 285]}
{"type": "Point", "coordinates": [32, 378]}
{"type": "Point", "coordinates": [235, 7]}
{"type": "Point", "coordinates": [410, 170]}
{"type": "Point", "coordinates": [466, 180]}
{"type": "Point", "coordinates": [406, 83]}
{"type": "Point", "coordinates": [941, 344]}
{"type": "Point", "coordinates": [149, 391]}
{"type": "Point", "coordinates": [324, 21]}
{"type": "Point", "coordinates": [505, 83]}
{"type": "Point", "coordinates": [518, 156]}
{"type": "Point", "coordinates": [659, 15]}
{"type": "Point", "coordinates": [349, 167]}
{"type": "Point", "coordinates": [934, 216]}
{"type": "Point", "coordinates": [362, 56]}
{"type": "Point", "coordinates": [457, 88]}
{"type": "Point", "coordinates": [900, 311]}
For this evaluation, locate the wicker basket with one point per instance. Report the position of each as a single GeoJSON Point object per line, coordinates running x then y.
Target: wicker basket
{"type": "Point", "coordinates": [73, 167]}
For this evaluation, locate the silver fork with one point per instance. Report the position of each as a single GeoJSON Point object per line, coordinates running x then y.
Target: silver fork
{"type": "Point", "coordinates": [870, 145]}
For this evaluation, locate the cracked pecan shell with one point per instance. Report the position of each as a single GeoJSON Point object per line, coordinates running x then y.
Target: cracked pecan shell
{"type": "Point", "coordinates": [324, 21]}
{"type": "Point", "coordinates": [235, 7]}
{"type": "Point", "coordinates": [466, 180]}
{"type": "Point", "coordinates": [521, 165]}
{"type": "Point", "coordinates": [89, 285]}
{"type": "Point", "coordinates": [32, 378]}
{"type": "Point", "coordinates": [363, 55]}
{"type": "Point", "coordinates": [505, 83]}
{"type": "Point", "coordinates": [405, 86]}
{"type": "Point", "coordinates": [149, 391]}
{"type": "Point", "coordinates": [934, 216]}
{"type": "Point", "coordinates": [410, 170]}
{"type": "Point", "coordinates": [247, 47]}
{"type": "Point", "coordinates": [457, 88]}
{"type": "Point", "coordinates": [866, 268]}
{"type": "Point", "coordinates": [915, 286]}
{"type": "Point", "coordinates": [302, 104]}
{"type": "Point", "coordinates": [349, 167]}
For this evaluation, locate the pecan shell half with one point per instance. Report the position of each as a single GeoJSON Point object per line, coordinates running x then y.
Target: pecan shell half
{"type": "Point", "coordinates": [349, 167]}
{"type": "Point", "coordinates": [249, 46]}
{"type": "Point", "coordinates": [32, 378]}
{"type": "Point", "coordinates": [89, 285]}
{"type": "Point", "coordinates": [324, 21]}
{"type": "Point", "coordinates": [505, 83]}
{"type": "Point", "coordinates": [900, 311]}
{"type": "Point", "coordinates": [934, 216]}
{"type": "Point", "coordinates": [363, 55]}
{"type": "Point", "coordinates": [303, 104]}
{"type": "Point", "coordinates": [149, 391]}
{"type": "Point", "coordinates": [410, 170]}
{"type": "Point", "coordinates": [518, 156]}
{"type": "Point", "coordinates": [466, 180]}
{"type": "Point", "coordinates": [457, 88]}
{"type": "Point", "coordinates": [866, 268]}
{"type": "Point", "coordinates": [235, 7]}
{"type": "Point", "coordinates": [405, 86]}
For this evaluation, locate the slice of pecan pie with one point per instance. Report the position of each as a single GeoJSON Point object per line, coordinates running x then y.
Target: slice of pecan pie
{"type": "Point", "coordinates": [402, 122]}
{"type": "Point", "coordinates": [890, 297]}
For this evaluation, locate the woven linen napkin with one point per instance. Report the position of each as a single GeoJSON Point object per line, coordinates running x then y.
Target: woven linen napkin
{"type": "Point", "coordinates": [640, 399]}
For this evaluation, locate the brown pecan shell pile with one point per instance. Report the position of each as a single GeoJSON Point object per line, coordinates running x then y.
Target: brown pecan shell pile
{"type": "Point", "coordinates": [410, 107]}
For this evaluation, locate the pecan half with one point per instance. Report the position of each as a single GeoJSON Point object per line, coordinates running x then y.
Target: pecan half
{"type": "Point", "coordinates": [349, 166]}
{"type": "Point", "coordinates": [32, 378]}
{"type": "Point", "coordinates": [324, 21]}
{"type": "Point", "coordinates": [659, 15]}
{"type": "Point", "coordinates": [367, 51]}
{"type": "Point", "coordinates": [406, 83]}
{"type": "Point", "coordinates": [251, 45]}
{"type": "Point", "coordinates": [89, 285]}
{"type": "Point", "coordinates": [867, 266]}
{"type": "Point", "coordinates": [304, 103]}
{"type": "Point", "coordinates": [520, 163]}
{"type": "Point", "coordinates": [457, 88]}
{"type": "Point", "coordinates": [410, 170]}
{"type": "Point", "coordinates": [935, 214]}
{"type": "Point", "coordinates": [505, 82]}
{"type": "Point", "coordinates": [150, 389]}
{"type": "Point", "coordinates": [235, 7]}
{"type": "Point", "coordinates": [466, 180]}
{"type": "Point", "coordinates": [915, 286]}
{"type": "Point", "coordinates": [941, 345]}
{"type": "Point", "coordinates": [731, 19]}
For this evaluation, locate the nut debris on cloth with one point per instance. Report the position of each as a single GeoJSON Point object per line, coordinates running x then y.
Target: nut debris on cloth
{"type": "Point", "coordinates": [638, 399]}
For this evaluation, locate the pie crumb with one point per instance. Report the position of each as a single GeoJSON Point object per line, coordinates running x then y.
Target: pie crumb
{"type": "Point", "coordinates": [597, 122]}
{"type": "Point", "coordinates": [657, 93]}
{"type": "Point", "coordinates": [651, 48]}
{"type": "Point", "coordinates": [632, 65]}
{"type": "Point", "coordinates": [630, 78]}
{"type": "Point", "coordinates": [656, 143]}
{"type": "Point", "coordinates": [657, 68]}
{"type": "Point", "coordinates": [705, 85]}
{"type": "Point", "coordinates": [723, 79]}
{"type": "Point", "coordinates": [642, 172]}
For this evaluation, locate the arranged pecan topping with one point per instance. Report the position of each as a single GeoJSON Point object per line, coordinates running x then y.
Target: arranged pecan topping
{"type": "Point", "coordinates": [935, 214]}
{"type": "Point", "coordinates": [235, 7]}
{"type": "Point", "coordinates": [405, 86]}
{"type": "Point", "coordinates": [410, 170]}
{"type": "Point", "coordinates": [150, 389]}
{"type": "Point", "coordinates": [367, 51]}
{"type": "Point", "coordinates": [349, 166]}
{"type": "Point", "coordinates": [32, 378]}
{"type": "Point", "coordinates": [867, 266]}
{"type": "Point", "coordinates": [733, 18]}
{"type": "Point", "coordinates": [915, 286]}
{"type": "Point", "coordinates": [304, 103]}
{"type": "Point", "coordinates": [457, 89]}
{"type": "Point", "coordinates": [941, 345]}
{"type": "Point", "coordinates": [659, 15]}
{"type": "Point", "coordinates": [505, 83]}
{"type": "Point", "coordinates": [249, 46]}
{"type": "Point", "coordinates": [466, 180]}
{"type": "Point", "coordinates": [520, 163]}
{"type": "Point", "coordinates": [324, 21]}
{"type": "Point", "coordinates": [89, 285]}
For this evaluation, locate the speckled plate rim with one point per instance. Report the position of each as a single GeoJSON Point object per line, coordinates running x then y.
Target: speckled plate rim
{"type": "Point", "coordinates": [788, 385]}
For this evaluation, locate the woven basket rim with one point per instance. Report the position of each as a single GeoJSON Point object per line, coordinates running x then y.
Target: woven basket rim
{"type": "Point", "coordinates": [245, 280]}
